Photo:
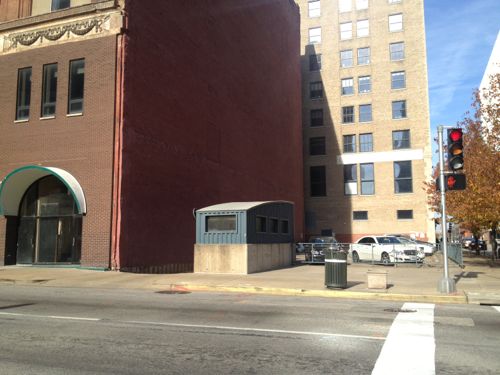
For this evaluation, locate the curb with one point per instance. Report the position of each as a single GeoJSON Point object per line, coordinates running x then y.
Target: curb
{"type": "Point", "coordinates": [453, 299]}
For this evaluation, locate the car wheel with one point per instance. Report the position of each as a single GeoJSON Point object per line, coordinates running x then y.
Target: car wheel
{"type": "Point", "coordinates": [355, 257]}
{"type": "Point", "coordinates": [385, 258]}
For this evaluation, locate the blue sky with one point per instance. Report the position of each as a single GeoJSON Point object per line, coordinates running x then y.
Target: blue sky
{"type": "Point", "coordinates": [460, 37]}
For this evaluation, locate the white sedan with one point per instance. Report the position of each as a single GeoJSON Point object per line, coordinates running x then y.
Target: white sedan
{"type": "Point", "coordinates": [386, 249]}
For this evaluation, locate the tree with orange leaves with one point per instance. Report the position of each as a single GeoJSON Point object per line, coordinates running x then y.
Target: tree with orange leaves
{"type": "Point", "coordinates": [477, 208]}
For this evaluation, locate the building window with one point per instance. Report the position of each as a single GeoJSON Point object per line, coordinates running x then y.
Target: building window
{"type": "Point", "coordinates": [315, 35]}
{"type": "Point", "coordinates": [346, 59]}
{"type": "Point", "coordinates": [318, 181]}
{"type": "Point", "coordinates": [362, 28]}
{"type": "Point", "coordinates": [367, 179]}
{"type": "Point", "coordinates": [317, 146]}
{"type": "Point", "coordinates": [49, 90]}
{"type": "Point", "coordinates": [346, 31]}
{"type": "Point", "coordinates": [399, 109]}
{"type": "Point", "coordinates": [261, 224]}
{"type": "Point", "coordinates": [345, 6]}
{"type": "Point", "coordinates": [314, 8]}
{"type": "Point", "coordinates": [347, 86]}
{"type": "Point", "coordinates": [398, 80]}
{"type": "Point", "coordinates": [396, 22]}
{"type": "Point", "coordinates": [361, 4]}
{"type": "Point", "coordinates": [274, 225]}
{"type": "Point", "coordinates": [360, 215]}
{"type": "Point", "coordinates": [314, 62]}
{"type": "Point", "coordinates": [76, 86]}
{"type": "Point", "coordinates": [366, 142]}
{"type": "Point", "coordinates": [397, 51]}
{"type": "Point", "coordinates": [350, 180]}
{"type": "Point", "coordinates": [347, 115]}
{"type": "Point", "coordinates": [402, 177]}
{"type": "Point", "coordinates": [365, 113]}
{"type": "Point", "coordinates": [60, 4]}
{"type": "Point", "coordinates": [400, 139]}
{"type": "Point", "coordinates": [363, 56]}
{"type": "Point", "coordinates": [284, 227]}
{"type": "Point", "coordinates": [349, 143]}
{"type": "Point", "coordinates": [394, 1]}
{"type": "Point", "coordinates": [220, 223]}
{"type": "Point", "coordinates": [23, 98]}
{"type": "Point", "coordinates": [316, 90]}
{"type": "Point", "coordinates": [405, 214]}
{"type": "Point", "coordinates": [365, 84]}
{"type": "Point", "coordinates": [316, 117]}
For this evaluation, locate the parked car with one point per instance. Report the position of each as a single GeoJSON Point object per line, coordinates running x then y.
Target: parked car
{"type": "Point", "coordinates": [386, 249]}
{"type": "Point", "coordinates": [314, 250]}
{"type": "Point", "coordinates": [470, 243]}
{"type": "Point", "coordinates": [427, 247]}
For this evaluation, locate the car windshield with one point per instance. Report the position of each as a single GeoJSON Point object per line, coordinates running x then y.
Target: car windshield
{"type": "Point", "coordinates": [323, 240]}
{"type": "Point", "coordinates": [404, 240]}
{"type": "Point", "coordinates": [384, 240]}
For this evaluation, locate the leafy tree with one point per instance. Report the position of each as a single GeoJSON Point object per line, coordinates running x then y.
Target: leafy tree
{"type": "Point", "coordinates": [477, 208]}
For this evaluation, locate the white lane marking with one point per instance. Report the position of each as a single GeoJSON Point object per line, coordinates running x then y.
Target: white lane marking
{"type": "Point", "coordinates": [246, 329]}
{"type": "Point", "coordinates": [497, 308]}
{"type": "Point", "coordinates": [410, 346]}
{"type": "Point", "coordinates": [51, 316]}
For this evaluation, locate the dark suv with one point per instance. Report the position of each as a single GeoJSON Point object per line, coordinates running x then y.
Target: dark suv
{"type": "Point", "coordinates": [314, 250]}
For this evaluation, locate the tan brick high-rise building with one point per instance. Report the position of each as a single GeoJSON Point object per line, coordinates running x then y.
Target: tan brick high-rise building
{"type": "Point", "coordinates": [367, 147]}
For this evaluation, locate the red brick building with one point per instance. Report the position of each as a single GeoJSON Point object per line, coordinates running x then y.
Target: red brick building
{"type": "Point", "coordinates": [119, 118]}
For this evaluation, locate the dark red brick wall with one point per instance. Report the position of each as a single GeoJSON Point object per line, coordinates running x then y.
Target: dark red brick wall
{"type": "Point", "coordinates": [81, 145]}
{"type": "Point", "coordinates": [211, 115]}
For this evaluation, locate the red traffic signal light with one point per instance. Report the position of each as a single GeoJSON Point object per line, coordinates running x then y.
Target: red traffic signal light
{"type": "Point", "coordinates": [455, 150]}
{"type": "Point", "coordinates": [455, 182]}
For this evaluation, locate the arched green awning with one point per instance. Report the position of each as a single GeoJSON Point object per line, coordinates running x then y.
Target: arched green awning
{"type": "Point", "coordinates": [15, 184]}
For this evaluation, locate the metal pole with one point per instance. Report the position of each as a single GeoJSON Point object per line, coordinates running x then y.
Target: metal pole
{"type": "Point", "coordinates": [446, 285]}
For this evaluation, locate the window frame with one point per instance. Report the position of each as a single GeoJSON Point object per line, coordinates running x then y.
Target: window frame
{"type": "Point", "coordinates": [362, 4]}
{"type": "Point", "coordinates": [397, 178]}
{"type": "Point", "coordinates": [403, 111]}
{"type": "Point", "coordinates": [399, 214]}
{"type": "Point", "coordinates": [316, 90]}
{"type": "Point", "coordinates": [23, 93]}
{"type": "Point", "coordinates": [55, 5]}
{"type": "Point", "coordinates": [348, 115]}
{"type": "Point", "coordinates": [365, 29]}
{"type": "Point", "coordinates": [362, 84]}
{"type": "Point", "coordinates": [315, 62]}
{"type": "Point", "coordinates": [317, 146]}
{"type": "Point", "coordinates": [316, 8]}
{"type": "Point", "coordinates": [364, 218]}
{"type": "Point", "coordinates": [314, 39]}
{"type": "Point", "coordinates": [349, 143]}
{"type": "Point", "coordinates": [48, 91]}
{"type": "Point", "coordinates": [350, 176]}
{"type": "Point", "coordinates": [313, 120]}
{"type": "Point", "coordinates": [232, 216]}
{"type": "Point", "coordinates": [345, 34]}
{"type": "Point", "coordinates": [317, 182]}
{"type": "Point", "coordinates": [71, 78]}
{"type": "Point", "coordinates": [258, 229]}
{"type": "Point", "coordinates": [361, 58]}
{"type": "Point", "coordinates": [393, 80]}
{"type": "Point", "coordinates": [404, 141]}
{"type": "Point", "coordinates": [397, 26]}
{"type": "Point", "coordinates": [363, 144]}
{"type": "Point", "coordinates": [395, 55]}
{"type": "Point", "coordinates": [343, 8]}
{"type": "Point", "coordinates": [362, 113]}
{"type": "Point", "coordinates": [367, 180]}
{"type": "Point", "coordinates": [344, 87]}
{"type": "Point", "coordinates": [342, 60]}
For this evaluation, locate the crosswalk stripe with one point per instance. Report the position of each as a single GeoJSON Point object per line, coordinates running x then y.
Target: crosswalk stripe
{"type": "Point", "coordinates": [410, 346]}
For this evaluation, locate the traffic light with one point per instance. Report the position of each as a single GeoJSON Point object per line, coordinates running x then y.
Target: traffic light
{"type": "Point", "coordinates": [450, 227]}
{"type": "Point", "coordinates": [455, 182]}
{"type": "Point", "coordinates": [455, 150]}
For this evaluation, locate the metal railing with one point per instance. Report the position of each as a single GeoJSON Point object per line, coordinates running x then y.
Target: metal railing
{"type": "Point", "coordinates": [314, 253]}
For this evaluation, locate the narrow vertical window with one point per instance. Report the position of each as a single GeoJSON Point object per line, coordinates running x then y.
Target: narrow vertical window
{"type": "Point", "coordinates": [362, 28]}
{"type": "Point", "coordinates": [367, 179]}
{"type": "Point", "coordinates": [400, 139]}
{"type": "Point", "coordinates": [399, 109]}
{"type": "Point", "coordinates": [363, 56]}
{"type": "Point", "coordinates": [314, 8]}
{"type": "Point", "coordinates": [366, 142]}
{"type": "Point", "coordinates": [318, 181]}
{"type": "Point", "coordinates": [316, 90]}
{"type": "Point", "coordinates": [317, 146]}
{"type": "Point", "coordinates": [365, 113]}
{"type": "Point", "coordinates": [347, 86]}
{"type": "Point", "coordinates": [350, 180]}
{"type": "Point", "coordinates": [402, 177]}
{"type": "Point", "coordinates": [345, 30]}
{"type": "Point", "coordinates": [361, 4]}
{"type": "Point", "coordinates": [316, 117]}
{"type": "Point", "coordinates": [49, 90]}
{"type": "Point", "coordinates": [314, 62]}
{"type": "Point", "coordinates": [349, 143]}
{"type": "Point", "coordinates": [345, 6]}
{"type": "Point", "coordinates": [315, 35]}
{"type": "Point", "coordinates": [398, 80]}
{"type": "Point", "coordinates": [346, 59]}
{"type": "Point", "coordinates": [364, 84]}
{"type": "Point", "coordinates": [76, 86]}
{"type": "Point", "coordinates": [347, 115]}
{"type": "Point", "coordinates": [23, 99]}
{"type": "Point", "coordinates": [397, 51]}
{"type": "Point", "coordinates": [396, 22]}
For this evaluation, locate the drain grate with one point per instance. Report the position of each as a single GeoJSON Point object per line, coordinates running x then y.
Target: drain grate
{"type": "Point", "coordinates": [400, 310]}
{"type": "Point", "coordinates": [173, 292]}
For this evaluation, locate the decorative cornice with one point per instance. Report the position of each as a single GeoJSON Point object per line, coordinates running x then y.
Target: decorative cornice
{"type": "Point", "coordinates": [79, 28]}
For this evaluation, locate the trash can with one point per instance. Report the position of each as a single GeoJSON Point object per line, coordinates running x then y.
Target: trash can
{"type": "Point", "coordinates": [335, 269]}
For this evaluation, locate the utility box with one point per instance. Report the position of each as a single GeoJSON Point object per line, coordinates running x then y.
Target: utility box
{"type": "Point", "coordinates": [244, 237]}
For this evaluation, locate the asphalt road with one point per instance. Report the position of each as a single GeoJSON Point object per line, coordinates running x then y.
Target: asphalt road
{"type": "Point", "coordinates": [47, 330]}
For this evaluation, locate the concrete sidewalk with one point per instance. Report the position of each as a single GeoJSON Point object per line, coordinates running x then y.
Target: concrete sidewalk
{"type": "Point", "coordinates": [479, 282]}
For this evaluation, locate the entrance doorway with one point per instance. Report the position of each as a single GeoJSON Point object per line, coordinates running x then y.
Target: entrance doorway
{"type": "Point", "coordinates": [50, 228]}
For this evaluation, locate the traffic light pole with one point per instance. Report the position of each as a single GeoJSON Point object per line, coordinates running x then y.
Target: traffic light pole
{"type": "Point", "coordinates": [446, 284]}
